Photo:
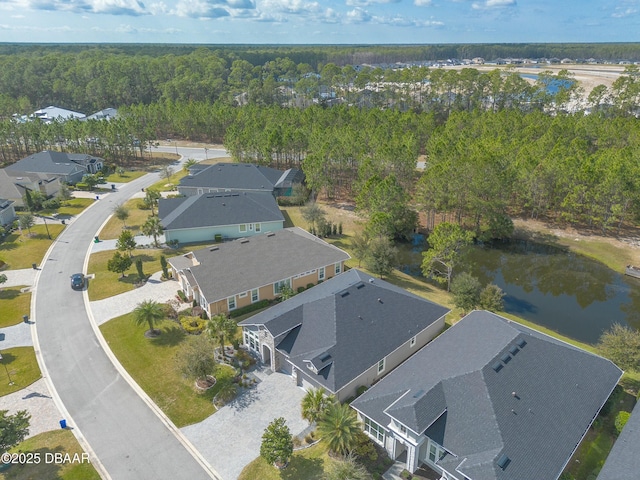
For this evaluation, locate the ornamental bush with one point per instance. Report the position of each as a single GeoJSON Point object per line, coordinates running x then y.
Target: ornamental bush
{"type": "Point", "coordinates": [193, 325]}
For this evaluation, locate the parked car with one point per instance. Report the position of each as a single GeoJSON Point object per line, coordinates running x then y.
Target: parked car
{"type": "Point", "coordinates": [77, 281]}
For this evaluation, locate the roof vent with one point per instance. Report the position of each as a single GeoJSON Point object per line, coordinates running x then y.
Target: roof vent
{"type": "Point", "coordinates": [360, 285]}
{"type": "Point", "coordinates": [244, 240]}
{"type": "Point", "coordinates": [380, 300]}
{"type": "Point", "coordinates": [419, 393]}
{"type": "Point", "coordinates": [271, 234]}
{"type": "Point", "coordinates": [506, 358]}
{"type": "Point", "coordinates": [497, 366]}
{"type": "Point", "coordinates": [213, 249]}
{"type": "Point", "coordinates": [344, 294]}
{"type": "Point", "coordinates": [513, 350]}
{"type": "Point", "coordinates": [521, 343]}
{"type": "Point", "coordinates": [371, 280]}
{"type": "Point", "coordinates": [503, 461]}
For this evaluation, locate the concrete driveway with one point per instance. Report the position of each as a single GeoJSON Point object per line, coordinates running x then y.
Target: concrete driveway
{"type": "Point", "coordinates": [231, 438]}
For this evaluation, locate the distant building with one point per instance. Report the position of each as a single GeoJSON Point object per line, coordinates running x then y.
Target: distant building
{"type": "Point", "coordinates": [7, 212]}
{"type": "Point", "coordinates": [68, 167]}
{"type": "Point", "coordinates": [106, 114]}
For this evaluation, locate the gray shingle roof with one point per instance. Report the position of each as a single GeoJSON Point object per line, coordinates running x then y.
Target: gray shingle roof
{"type": "Point", "coordinates": [50, 162]}
{"type": "Point", "coordinates": [218, 209]}
{"type": "Point", "coordinates": [237, 176]}
{"type": "Point", "coordinates": [623, 462]}
{"type": "Point", "coordinates": [239, 266]}
{"type": "Point", "coordinates": [558, 391]}
{"type": "Point", "coordinates": [355, 321]}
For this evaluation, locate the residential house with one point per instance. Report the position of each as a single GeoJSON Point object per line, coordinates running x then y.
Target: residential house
{"type": "Point", "coordinates": [13, 185]}
{"type": "Point", "coordinates": [623, 462]}
{"type": "Point", "coordinates": [489, 399]}
{"type": "Point", "coordinates": [68, 167]}
{"type": "Point", "coordinates": [106, 114]}
{"type": "Point", "coordinates": [232, 275]}
{"type": "Point", "coordinates": [51, 113]}
{"type": "Point", "coordinates": [7, 212]}
{"type": "Point", "coordinates": [344, 334]}
{"type": "Point", "coordinates": [203, 218]}
{"type": "Point", "coordinates": [233, 177]}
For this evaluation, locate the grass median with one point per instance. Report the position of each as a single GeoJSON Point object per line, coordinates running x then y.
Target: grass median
{"type": "Point", "coordinates": [127, 176]}
{"type": "Point", "coordinates": [137, 217]}
{"type": "Point", "coordinates": [50, 448]}
{"type": "Point", "coordinates": [152, 364]}
{"type": "Point", "coordinates": [20, 250]}
{"type": "Point", "coordinates": [19, 367]}
{"type": "Point", "coordinates": [13, 305]}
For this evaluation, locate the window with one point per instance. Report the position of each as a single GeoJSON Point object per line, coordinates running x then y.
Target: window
{"type": "Point", "coordinates": [375, 430]}
{"type": "Point", "coordinates": [251, 227]}
{"type": "Point", "coordinates": [258, 227]}
{"type": "Point", "coordinates": [231, 303]}
{"type": "Point", "coordinates": [254, 295]}
{"type": "Point", "coordinates": [321, 273]}
{"type": "Point", "coordinates": [413, 341]}
{"type": "Point", "coordinates": [243, 227]}
{"type": "Point", "coordinates": [338, 268]}
{"type": "Point", "coordinates": [251, 340]}
{"type": "Point", "coordinates": [435, 452]}
{"type": "Point", "coordinates": [242, 295]}
{"type": "Point", "coordinates": [381, 366]}
{"type": "Point", "coordinates": [403, 429]}
{"type": "Point", "coordinates": [200, 191]}
{"type": "Point", "coordinates": [278, 286]}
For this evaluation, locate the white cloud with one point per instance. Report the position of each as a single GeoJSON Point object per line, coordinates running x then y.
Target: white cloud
{"type": "Point", "coordinates": [112, 7]}
{"type": "Point", "coordinates": [491, 4]}
{"type": "Point", "coordinates": [627, 12]}
{"type": "Point", "coordinates": [200, 9]}
{"type": "Point", "coordinates": [298, 7]}
{"type": "Point", "coordinates": [422, 3]}
{"type": "Point", "coordinates": [366, 3]}
{"type": "Point", "coordinates": [358, 15]}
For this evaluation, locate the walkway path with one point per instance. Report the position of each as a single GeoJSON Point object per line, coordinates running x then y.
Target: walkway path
{"type": "Point", "coordinates": [154, 289]}
{"type": "Point", "coordinates": [26, 276]}
{"type": "Point", "coordinates": [35, 399]}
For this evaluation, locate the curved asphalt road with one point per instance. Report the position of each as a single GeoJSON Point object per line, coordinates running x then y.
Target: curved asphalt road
{"type": "Point", "coordinates": [130, 440]}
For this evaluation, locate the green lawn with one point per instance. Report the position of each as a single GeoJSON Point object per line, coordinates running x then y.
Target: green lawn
{"type": "Point", "coordinates": [13, 305]}
{"type": "Point", "coordinates": [107, 284]}
{"type": "Point", "coordinates": [46, 445]}
{"type": "Point", "coordinates": [21, 365]}
{"type": "Point", "coordinates": [127, 176]}
{"type": "Point", "coordinates": [307, 464]}
{"type": "Point", "coordinates": [21, 250]}
{"type": "Point", "coordinates": [137, 217]}
{"type": "Point", "coordinates": [168, 186]}
{"type": "Point", "coordinates": [71, 207]}
{"type": "Point", "coordinates": [152, 363]}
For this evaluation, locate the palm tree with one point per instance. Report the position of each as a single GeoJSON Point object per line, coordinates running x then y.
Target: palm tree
{"type": "Point", "coordinates": [221, 327]}
{"type": "Point", "coordinates": [339, 427]}
{"type": "Point", "coordinates": [189, 163]}
{"type": "Point", "coordinates": [314, 404]}
{"type": "Point", "coordinates": [227, 392]}
{"type": "Point", "coordinates": [152, 227]}
{"type": "Point", "coordinates": [149, 312]}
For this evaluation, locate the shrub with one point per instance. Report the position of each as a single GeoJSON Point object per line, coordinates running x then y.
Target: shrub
{"type": "Point", "coordinates": [300, 289]}
{"type": "Point", "coordinates": [193, 325]}
{"type": "Point", "coordinates": [82, 186]}
{"type": "Point", "coordinates": [621, 421]}
{"type": "Point", "coordinates": [364, 447]}
{"type": "Point", "coordinates": [51, 204]}
{"type": "Point", "coordinates": [309, 285]}
{"type": "Point", "coordinates": [361, 389]}
{"type": "Point", "coordinates": [249, 308]}
{"type": "Point", "coordinates": [182, 296]}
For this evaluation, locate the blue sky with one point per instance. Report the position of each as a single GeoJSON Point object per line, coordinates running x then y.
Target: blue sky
{"type": "Point", "coordinates": [319, 22]}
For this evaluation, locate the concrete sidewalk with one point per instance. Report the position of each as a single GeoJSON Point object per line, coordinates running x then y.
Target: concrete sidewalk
{"type": "Point", "coordinates": [25, 276]}
{"type": "Point", "coordinates": [154, 289]}
{"type": "Point", "coordinates": [141, 241]}
{"type": "Point", "coordinates": [18, 335]}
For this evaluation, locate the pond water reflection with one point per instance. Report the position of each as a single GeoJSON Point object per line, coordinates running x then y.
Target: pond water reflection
{"type": "Point", "coordinates": [549, 286]}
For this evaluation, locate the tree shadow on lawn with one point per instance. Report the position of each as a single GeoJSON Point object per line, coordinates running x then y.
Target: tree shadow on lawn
{"type": "Point", "coordinates": [9, 293]}
{"type": "Point", "coordinates": [48, 467]}
{"type": "Point", "coordinates": [144, 257]}
{"type": "Point", "coordinates": [170, 337]}
{"type": "Point", "coordinates": [301, 467]}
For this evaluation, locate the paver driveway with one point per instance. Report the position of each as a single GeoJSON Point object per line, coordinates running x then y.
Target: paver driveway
{"type": "Point", "coordinates": [230, 438]}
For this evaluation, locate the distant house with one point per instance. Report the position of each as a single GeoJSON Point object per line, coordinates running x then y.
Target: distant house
{"type": "Point", "coordinates": [346, 333]}
{"type": "Point", "coordinates": [7, 212]}
{"type": "Point", "coordinates": [235, 274]}
{"type": "Point", "coordinates": [106, 114]}
{"type": "Point", "coordinates": [13, 185]}
{"type": "Point", "coordinates": [489, 399]}
{"type": "Point", "coordinates": [201, 218]}
{"type": "Point", "coordinates": [51, 113]}
{"type": "Point", "coordinates": [233, 177]}
{"type": "Point", "coordinates": [68, 167]}
{"type": "Point", "coordinates": [623, 462]}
